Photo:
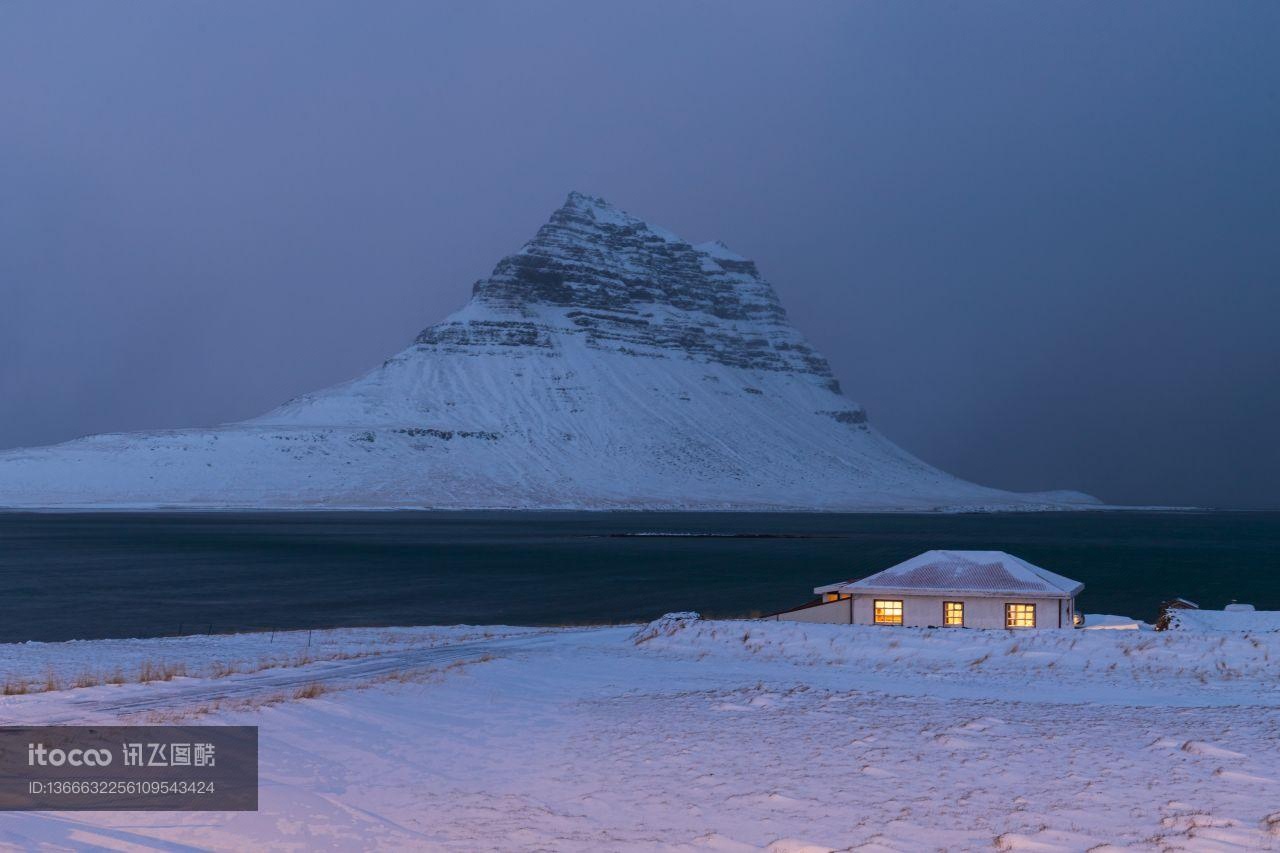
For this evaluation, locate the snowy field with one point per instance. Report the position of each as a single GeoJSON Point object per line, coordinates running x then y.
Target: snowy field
{"type": "Point", "coordinates": [692, 735]}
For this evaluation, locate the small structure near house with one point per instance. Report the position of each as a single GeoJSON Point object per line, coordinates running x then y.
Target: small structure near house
{"type": "Point", "coordinates": [1167, 609]}
{"type": "Point", "coordinates": [960, 589]}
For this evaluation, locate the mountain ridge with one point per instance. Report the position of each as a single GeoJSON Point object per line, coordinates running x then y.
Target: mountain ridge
{"type": "Point", "coordinates": [606, 364]}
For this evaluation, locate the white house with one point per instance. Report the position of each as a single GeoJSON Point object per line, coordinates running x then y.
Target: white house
{"type": "Point", "coordinates": [970, 589]}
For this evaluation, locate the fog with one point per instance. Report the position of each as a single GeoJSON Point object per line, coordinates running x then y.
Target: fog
{"type": "Point", "coordinates": [1039, 242]}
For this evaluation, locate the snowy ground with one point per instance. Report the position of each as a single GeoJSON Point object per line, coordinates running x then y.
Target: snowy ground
{"type": "Point", "coordinates": [690, 735]}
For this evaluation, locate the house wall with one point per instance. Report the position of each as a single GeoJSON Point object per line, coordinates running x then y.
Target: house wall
{"type": "Point", "coordinates": [920, 611]}
{"type": "Point", "coordinates": [833, 612]}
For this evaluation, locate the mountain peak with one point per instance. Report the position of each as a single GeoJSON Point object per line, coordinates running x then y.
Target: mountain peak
{"type": "Point", "coordinates": [582, 209]}
{"type": "Point", "coordinates": [619, 284]}
{"type": "Point", "coordinates": [607, 364]}
{"type": "Point", "coordinates": [586, 200]}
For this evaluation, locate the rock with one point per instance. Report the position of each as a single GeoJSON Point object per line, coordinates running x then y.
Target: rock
{"type": "Point", "coordinates": [608, 364]}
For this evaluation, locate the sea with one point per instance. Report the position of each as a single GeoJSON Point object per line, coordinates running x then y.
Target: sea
{"type": "Point", "coordinates": [107, 574]}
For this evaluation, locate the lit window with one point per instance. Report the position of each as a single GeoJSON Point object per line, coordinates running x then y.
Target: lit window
{"type": "Point", "coordinates": [888, 612]}
{"type": "Point", "coordinates": [953, 613]}
{"type": "Point", "coordinates": [836, 596]}
{"type": "Point", "coordinates": [1019, 615]}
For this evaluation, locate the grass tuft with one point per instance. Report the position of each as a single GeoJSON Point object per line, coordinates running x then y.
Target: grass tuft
{"type": "Point", "coordinates": [151, 671]}
{"type": "Point", "coordinates": [310, 691]}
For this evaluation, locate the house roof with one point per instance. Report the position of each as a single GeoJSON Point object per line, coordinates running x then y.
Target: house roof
{"type": "Point", "coordinates": [975, 572]}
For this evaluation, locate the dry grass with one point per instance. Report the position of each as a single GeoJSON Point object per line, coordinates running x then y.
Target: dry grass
{"type": "Point", "coordinates": [221, 669]}
{"type": "Point", "coordinates": [459, 664]}
{"type": "Point", "coordinates": [151, 671]}
{"type": "Point", "coordinates": [173, 717]}
{"type": "Point", "coordinates": [51, 683]}
{"type": "Point", "coordinates": [162, 671]}
{"type": "Point", "coordinates": [310, 691]}
{"type": "Point", "coordinates": [408, 676]}
{"type": "Point", "coordinates": [427, 674]}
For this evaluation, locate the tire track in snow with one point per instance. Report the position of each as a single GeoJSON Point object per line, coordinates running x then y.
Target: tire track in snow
{"type": "Point", "coordinates": [185, 693]}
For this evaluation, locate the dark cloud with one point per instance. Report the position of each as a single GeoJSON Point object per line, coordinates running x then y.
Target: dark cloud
{"type": "Point", "coordinates": [1041, 242]}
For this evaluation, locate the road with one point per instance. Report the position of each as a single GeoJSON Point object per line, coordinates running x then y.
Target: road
{"type": "Point", "coordinates": [188, 693]}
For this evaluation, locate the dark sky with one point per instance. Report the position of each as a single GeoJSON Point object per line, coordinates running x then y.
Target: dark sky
{"type": "Point", "coordinates": [1039, 241]}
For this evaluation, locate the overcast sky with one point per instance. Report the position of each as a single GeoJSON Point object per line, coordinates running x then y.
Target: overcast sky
{"type": "Point", "coordinates": [1040, 242]}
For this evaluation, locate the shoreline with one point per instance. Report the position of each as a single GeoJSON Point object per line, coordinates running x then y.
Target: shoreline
{"type": "Point", "coordinates": [167, 509]}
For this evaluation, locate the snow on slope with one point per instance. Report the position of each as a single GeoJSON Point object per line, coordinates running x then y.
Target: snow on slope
{"type": "Point", "coordinates": [1224, 620]}
{"type": "Point", "coordinates": [703, 736]}
{"type": "Point", "coordinates": [607, 364]}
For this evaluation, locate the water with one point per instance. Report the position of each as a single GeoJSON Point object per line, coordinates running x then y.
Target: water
{"type": "Point", "coordinates": [65, 576]}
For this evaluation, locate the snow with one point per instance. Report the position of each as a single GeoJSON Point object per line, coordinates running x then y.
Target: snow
{"type": "Point", "coordinates": [978, 572]}
{"type": "Point", "coordinates": [1224, 620]}
{"type": "Point", "coordinates": [1111, 622]}
{"type": "Point", "coordinates": [605, 367]}
{"type": "Point", "coordinates": [716, 249]}
{"type": "Point", "coordinates": [606, 214]}
{"type": "Point", "coordinates": [201, 655]}
{"type": "Point", "coordinates": [697, 735]}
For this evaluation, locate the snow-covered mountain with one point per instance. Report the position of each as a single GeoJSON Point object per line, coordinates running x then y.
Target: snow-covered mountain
{"type": "Point", "coordinates": [607, 364]}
